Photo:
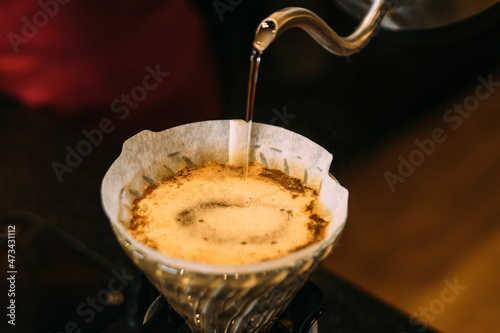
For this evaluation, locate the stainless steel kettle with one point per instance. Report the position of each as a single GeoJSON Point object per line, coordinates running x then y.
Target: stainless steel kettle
{"type": "Point", "coordinates": [398, 15]}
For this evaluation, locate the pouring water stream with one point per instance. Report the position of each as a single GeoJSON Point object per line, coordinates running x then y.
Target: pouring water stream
{"type": "Point", "coordinates": [270, 28]}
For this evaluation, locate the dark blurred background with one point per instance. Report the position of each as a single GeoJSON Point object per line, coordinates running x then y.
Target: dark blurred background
{"type": "Point", "coordinates": [348, 104]}
{"type": "Point", "coordinates": [62, 77]}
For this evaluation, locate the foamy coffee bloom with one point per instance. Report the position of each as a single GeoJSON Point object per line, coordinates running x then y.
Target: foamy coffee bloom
{"type": "Point", "coordinates": [222, 297]}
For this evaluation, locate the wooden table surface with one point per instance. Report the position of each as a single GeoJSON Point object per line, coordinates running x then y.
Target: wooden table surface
{"type": "Point", "coordinates": [426, 237]}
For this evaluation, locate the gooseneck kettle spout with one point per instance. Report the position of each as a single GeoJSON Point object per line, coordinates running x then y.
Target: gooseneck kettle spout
{"type": "Point", "coordinates": [282, 20]}
{"type": "Point", "coordinates": [394, 15]}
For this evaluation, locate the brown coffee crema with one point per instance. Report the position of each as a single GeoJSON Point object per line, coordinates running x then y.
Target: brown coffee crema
{"type": "Point", "coordinates": [207, 214]}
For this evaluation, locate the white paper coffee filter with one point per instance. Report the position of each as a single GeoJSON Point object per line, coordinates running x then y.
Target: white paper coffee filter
{"type": "Point", "coordinates": [150, 156]}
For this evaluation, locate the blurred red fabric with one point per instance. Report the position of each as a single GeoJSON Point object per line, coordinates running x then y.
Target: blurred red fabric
{"type": "Point", "coordinates": [75, 58]}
